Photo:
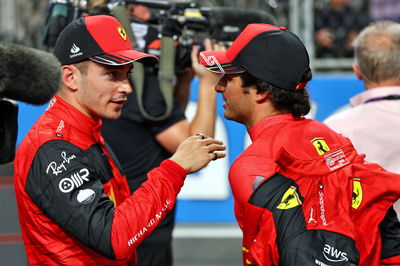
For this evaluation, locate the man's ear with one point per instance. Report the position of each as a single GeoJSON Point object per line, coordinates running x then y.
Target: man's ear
{"type": "Point", "coordinates": [69, 76]}
{"type": "Point", "coordinates": [261, 96]}
{"type": "Point", "coordinates": [356, 69]}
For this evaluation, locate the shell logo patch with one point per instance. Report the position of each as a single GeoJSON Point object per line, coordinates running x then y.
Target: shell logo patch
{"type": "Point", "coordinates": [290, 199]}
{"type": "Point", "coordinates": [320, 145]}
{"type": "Point", "coordinates": [122, 33]}
{"type": "Point", "coordinates": [357, 194]}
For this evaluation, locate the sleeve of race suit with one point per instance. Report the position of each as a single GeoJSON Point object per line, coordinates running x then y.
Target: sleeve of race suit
{"type": "Point", "coordinates": [66, 184]}
{"type": "Point", "coordinates": [138, 216]}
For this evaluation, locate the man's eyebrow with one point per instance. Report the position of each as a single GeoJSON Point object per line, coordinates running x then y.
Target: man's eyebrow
{"type": "Point", "coordinates": [110, 67]}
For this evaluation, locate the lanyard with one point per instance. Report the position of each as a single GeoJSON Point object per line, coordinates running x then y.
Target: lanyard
{"type": "Point", "coordinates": [388, 97]}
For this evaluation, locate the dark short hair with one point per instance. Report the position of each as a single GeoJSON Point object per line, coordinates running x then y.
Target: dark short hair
{"type": "Point", "coordinates": [296, 102]}
{"type": "Point", "coordinates": [82, 67]}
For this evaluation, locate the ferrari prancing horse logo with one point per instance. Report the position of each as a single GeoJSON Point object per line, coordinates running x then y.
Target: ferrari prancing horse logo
{"type": "Point", "coordinates": [320, 145]}
{"type": "Point", "coordinates": [122, 33]}
{"type": "Point", "coordinates": [357, 194]}
{"type": "Point", "coordinates": [290, 199]}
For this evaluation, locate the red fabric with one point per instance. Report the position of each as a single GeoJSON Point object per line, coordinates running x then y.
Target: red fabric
{"type": "Point", "coordinates": [393, 261]}
{"type": "Point", "coordinates": [45, 240]}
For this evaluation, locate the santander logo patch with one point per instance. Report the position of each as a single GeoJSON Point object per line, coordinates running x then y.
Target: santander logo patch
{"type": "Point", "coordinates": [75, 51]}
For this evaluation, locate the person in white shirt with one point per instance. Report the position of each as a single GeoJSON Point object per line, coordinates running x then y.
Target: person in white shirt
{"type": "Point", "coordinates": [373, 122]}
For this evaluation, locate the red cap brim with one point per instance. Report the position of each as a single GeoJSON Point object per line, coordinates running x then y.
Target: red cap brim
{"type": "Point", "coordinates": [124, 57]}
{"type": "Point", "coordinates": [217, 62]}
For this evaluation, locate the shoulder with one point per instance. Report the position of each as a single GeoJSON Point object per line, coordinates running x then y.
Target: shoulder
{"type": "Point", "coordinates": [306, 139]}
{"type": "Point", "coordinates": [253, 164]}
{"type": "Point", "coordinates": [346, 118]}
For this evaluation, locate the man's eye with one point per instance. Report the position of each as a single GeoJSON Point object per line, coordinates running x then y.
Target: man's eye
{"type": "Point", "coordinates": [112, 74]}
{"type": "Point", "coordinates": [119, 75]}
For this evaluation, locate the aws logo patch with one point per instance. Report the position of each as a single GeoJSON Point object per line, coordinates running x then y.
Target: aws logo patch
{"type": "Point", "coordinates": [320, 145]}
{"type": "Point", "coordinates": [357, 194]}
{"type": "Point", "coordinates": [290, 199]}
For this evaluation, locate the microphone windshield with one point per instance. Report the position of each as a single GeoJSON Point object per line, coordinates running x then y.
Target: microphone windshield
{"type": "Point", "coordinates": [27, 74]}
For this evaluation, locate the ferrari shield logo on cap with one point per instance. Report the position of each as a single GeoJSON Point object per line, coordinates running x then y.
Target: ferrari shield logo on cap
{"type": "Point", "coordinates": [320, 145]}
{"type": "Point", "coordinates": [122, 33]}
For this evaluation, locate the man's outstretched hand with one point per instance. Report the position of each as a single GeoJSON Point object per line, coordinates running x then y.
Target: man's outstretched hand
{"type": "Point", "coordinates": [194, 153]}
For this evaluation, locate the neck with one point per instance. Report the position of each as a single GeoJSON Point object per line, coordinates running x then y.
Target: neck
{"type": "Point", "coordinates": [68, 98]}
{"type": "Point", "coordinates": [385, 83]}
{"type": "Point", "coordinates": [267, 110]}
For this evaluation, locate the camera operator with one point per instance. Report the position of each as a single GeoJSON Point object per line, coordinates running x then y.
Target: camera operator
{"type": "Point", "coordinates": [141, 144]}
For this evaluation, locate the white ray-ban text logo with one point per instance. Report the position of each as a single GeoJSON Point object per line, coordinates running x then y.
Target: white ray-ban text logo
{"type": "Point", "coordinates": [55, 168]}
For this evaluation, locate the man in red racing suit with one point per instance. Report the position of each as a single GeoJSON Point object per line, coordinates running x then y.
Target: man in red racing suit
{"type": "Point", "coordinates": [301, 188]}
{"type": "Point", "coordinates": [74, 205]}
{"type": "Point", "coordinates": [303, 196]}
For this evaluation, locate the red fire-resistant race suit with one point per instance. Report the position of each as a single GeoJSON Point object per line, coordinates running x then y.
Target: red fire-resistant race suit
{"type": "Point", "coordinates": [74, 206]}
{"type": "Point", "coordinates": [303, 196]}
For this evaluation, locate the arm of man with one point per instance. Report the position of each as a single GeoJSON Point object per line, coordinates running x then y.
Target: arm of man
{"type": "Point", "coordinates": [204, 119]}
{"type": "Point", "coordinates": [70, 191]}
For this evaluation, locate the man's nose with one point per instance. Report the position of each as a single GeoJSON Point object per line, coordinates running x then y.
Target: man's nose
{"type": "Point", "coordinates": [219, 88]}
{"type": "Point", "coordinates": [126, 87]}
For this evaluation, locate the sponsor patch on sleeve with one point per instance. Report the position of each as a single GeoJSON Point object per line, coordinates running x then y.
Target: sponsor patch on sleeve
{"type": "Point", "coordinates": [336, 160]}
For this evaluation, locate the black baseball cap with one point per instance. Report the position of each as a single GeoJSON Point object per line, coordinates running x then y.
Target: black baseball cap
{"type": "Point", "coordinates": [99, 38]}
{"type": "Point", "coordinates": [267, 52]}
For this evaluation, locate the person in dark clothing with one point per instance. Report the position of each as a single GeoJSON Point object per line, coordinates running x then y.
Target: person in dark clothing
{"type": "Point", "coordinates": [336, 26]}
{"type": "Point", "coordinates": [140, 144]}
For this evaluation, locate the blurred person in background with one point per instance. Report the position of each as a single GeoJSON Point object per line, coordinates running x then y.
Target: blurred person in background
{"type": "Point", "coordinates": [372, 123]}
{"type": "Point", "coordinates": [141, 144]}
{"type": "Point", "coordinates": [336, 25]}
{"type": "Point", "coordinates": [384, 10]}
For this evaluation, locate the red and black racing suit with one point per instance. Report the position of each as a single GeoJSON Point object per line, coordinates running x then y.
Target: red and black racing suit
{"type": "Point", "coordinates": [303, 196]}
{"type": "Point", "coordinates": [74, 205]}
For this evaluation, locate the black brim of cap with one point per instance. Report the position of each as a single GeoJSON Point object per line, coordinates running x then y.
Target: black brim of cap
{"type": "Point", "coordinates": [217, 62]}
{"type": "Point", "coordinates": [124, 57]}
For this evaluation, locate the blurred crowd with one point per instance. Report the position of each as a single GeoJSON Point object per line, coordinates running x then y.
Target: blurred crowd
{"type": "Point", "coordinates": [336, 22]}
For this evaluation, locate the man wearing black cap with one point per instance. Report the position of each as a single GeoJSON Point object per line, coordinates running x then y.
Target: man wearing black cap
{"type": "Point", "coordinates": [74, 203]}
{"type": "Point", "coordinates": [303, 196]}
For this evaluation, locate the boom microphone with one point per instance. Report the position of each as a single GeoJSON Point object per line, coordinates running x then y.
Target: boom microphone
{"type": "Point", "coordinates": [27, 74]}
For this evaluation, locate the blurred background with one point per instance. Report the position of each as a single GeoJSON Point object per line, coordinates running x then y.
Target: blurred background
{"type": "Point", "coordinates": [206, 231]}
